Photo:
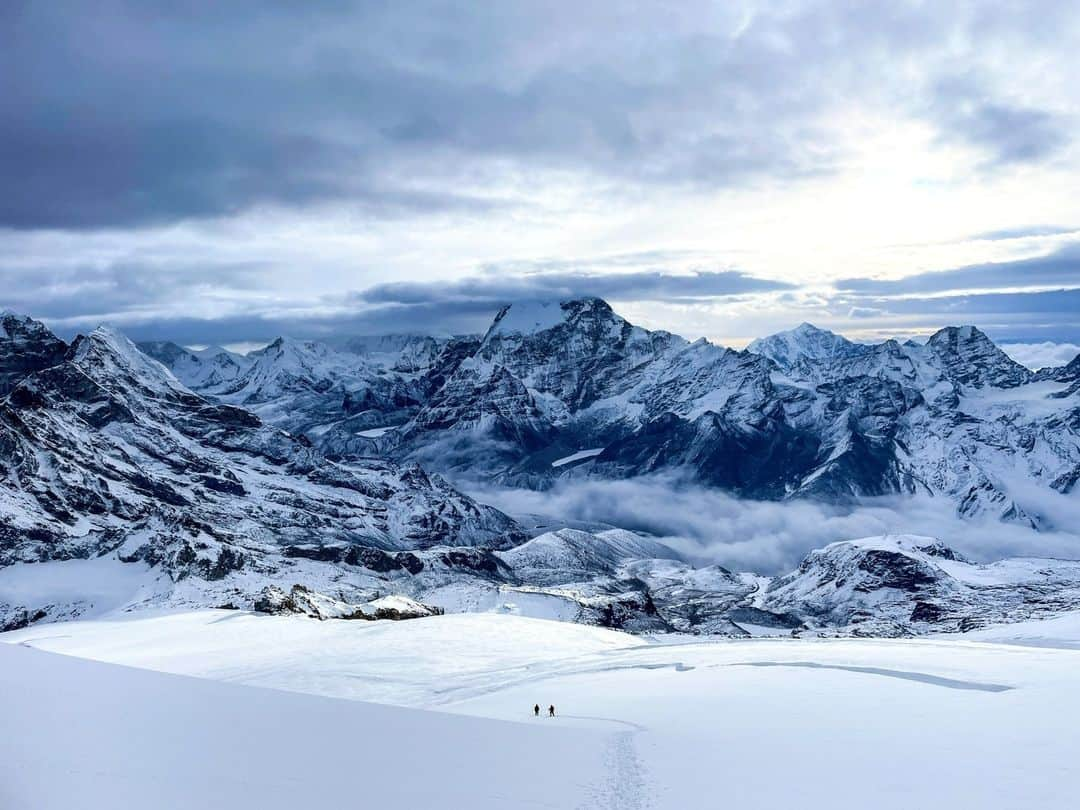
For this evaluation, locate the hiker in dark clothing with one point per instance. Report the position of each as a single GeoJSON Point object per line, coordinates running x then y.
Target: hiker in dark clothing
{"type": "Point", "coordinates": [551, 711]}
{"type": "Point", "coordinates": [536, 710]}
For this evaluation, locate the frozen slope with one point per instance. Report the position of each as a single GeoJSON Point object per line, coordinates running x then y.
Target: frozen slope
{"type": "Point", "coordinates": [93, 736]}
{"type": "Point", "coordinates": [750, 724]}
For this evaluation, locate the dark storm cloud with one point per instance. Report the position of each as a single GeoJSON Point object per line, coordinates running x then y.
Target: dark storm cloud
{"type": "Point", "coordinates": [1061, 268]}
{"type": "Point", "coordinates": [132, 113]}
{"type": "Point", "coordinates": [652, 285]}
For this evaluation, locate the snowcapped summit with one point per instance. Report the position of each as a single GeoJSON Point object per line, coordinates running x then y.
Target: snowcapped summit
{"type": "Point", "coordinates": [202, 370]}
{"type": "Point", "coordinates": [535, 317]}
{"type": "Point", "coordinates": [967, 356]}
{"type": "Point", "coordinates": [790, 349]}
{"type": "Point", "coordinates": [110, 358]}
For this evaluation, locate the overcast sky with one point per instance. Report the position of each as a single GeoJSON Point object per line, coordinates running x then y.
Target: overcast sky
{"type": "Point", "coordinates": [225, 172]}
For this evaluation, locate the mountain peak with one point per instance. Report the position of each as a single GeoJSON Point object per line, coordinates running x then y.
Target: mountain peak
{"type": "Point", "coordinates": [967, 356]}
{"type": "Point", "coordinates": [26, 346]}
{"type": "Point", "coordinates": [805, 342]}
{"type": "Point", "coordinates": [107, 354]}
{"type": "Point", "coordinates": [966, 333]}
{"type": "Point", "coordinates": [15, 324]}
{"type": "Point", "coordinates": [532, 317]}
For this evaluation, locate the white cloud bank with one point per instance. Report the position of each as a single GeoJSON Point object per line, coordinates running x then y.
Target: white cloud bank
{"type": "Point", "coordinates": [1041, 355]}
{"type": "Point", "coordinates": [707, 526]}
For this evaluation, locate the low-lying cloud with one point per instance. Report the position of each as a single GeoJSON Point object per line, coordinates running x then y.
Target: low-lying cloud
{"type": "Point", "coordinates": [1046, 354]}
{"type": "Point", "coordinates": [707, 526]}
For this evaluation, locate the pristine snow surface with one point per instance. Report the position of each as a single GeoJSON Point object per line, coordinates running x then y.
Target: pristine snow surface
{"type": "Point", "coordinates": [768, 723]}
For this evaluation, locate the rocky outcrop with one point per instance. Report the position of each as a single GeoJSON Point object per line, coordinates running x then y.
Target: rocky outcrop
{"type": "Point", "coordinates": [303, 601]}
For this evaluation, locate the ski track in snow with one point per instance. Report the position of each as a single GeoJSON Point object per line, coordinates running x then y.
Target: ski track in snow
{"type": "Point", "coordinates": [920, 677]}
{"type": "Point", "coordinates": [625, 786]}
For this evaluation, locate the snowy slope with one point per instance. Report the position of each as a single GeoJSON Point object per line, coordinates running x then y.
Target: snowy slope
{"type": "Point", "coordinates": [80, 734]}
{"type": "Point", "coordinates": [816, 724]}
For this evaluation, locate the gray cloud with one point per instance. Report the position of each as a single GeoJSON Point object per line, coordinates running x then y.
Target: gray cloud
{"type": "Point", "coordinates": [1016, 317]}
{"type": "Point", "coordinates": [648, 285]}
{"type": "Point", "coordinates": [1007, 134]}
{"type": "Point", "coordinates": [137, 113]}
{"type": "Point", "coordinates": [439, 318]}
{"type": "Point", "coordinates": [463, 307]}
{"type": "Point", "coordinates": [1059, 268]}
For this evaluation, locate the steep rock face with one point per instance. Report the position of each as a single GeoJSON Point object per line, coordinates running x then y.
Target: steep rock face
{"type": "Point", "coordinates": [968, 357]}
{"type": "Point", "coordinates": [106, 450]}
{"type": "Point", "coordinates": [25, 346]}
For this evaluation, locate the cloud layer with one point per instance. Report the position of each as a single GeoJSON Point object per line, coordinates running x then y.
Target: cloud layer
{"type": "Point", "coordinates": [721, 169]}
{"type": "Point", "coordinates": [709, 527]}
{"type": "Point", "coordinates": [138, 114]}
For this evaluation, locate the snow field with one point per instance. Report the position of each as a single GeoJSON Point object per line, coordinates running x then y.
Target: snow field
{"type": "Point", "coordinates": [666, 723]}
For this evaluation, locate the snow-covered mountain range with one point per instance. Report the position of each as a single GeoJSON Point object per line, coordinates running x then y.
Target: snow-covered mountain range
{"type": "Point", "coordinates": [569, 389]}
{"type": "Point", "coordinates": [288, 478]}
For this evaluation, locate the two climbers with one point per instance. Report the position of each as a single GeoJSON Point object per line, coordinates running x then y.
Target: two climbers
{"type": "Point", "coordinates": [536, 710]}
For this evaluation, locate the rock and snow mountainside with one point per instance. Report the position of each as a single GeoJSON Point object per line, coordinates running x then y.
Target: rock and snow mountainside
{"type": "Point", "coordinates": [207, 369]}
{"type": "Point", "coordinates": [804, 414]}
{"type": "Point", "coordinates": [910, 585]}
{"type": "Point", "coordinates": [120, 487]}
{"type": "Point", "coordinates": [103, 451]}
{"type": "Point", "coordinates": [569, 389]}
{"type": "Point", "coordinates": [342, 398]}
